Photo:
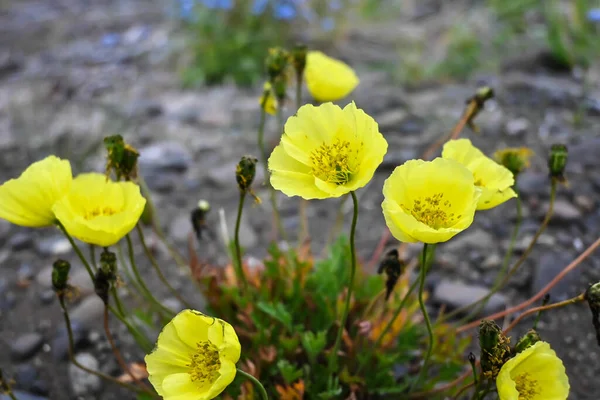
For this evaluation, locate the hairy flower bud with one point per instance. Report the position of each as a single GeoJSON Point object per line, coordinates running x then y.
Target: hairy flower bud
{"type": "Point", "coordinates": [528, 340]}
{"type": "Point", "coordinates": [592, 296]}
{"type": "Point", "coordinates": [245, 172]}
{"type": "Point", "coordinates": [495, 349]}
{"type": "Point", "coordinates": [60, 275]}
{"type": "Point", "coordinates": [558, 161]}
{"type": "Point", "coordinates": [514, 159]}
{"type": "Point", "coordinates": [299, 58]}
{"type": "Point", "coordinates": [122, 158]}
{"type": "Point", "coordinates": [106, 275]}
{"type": "Point", "coordinates": [277, 62]}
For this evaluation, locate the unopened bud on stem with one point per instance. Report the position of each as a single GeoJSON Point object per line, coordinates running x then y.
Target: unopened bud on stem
{"type": "Point", "coordinates": [557, 162]}
{"type": "Point", "coordinates": [60, 275]}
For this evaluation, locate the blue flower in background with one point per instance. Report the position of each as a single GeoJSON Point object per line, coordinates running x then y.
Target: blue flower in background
{"type": "Point", "coordinates": [335, 5]}
{"type": "Point", "coordinates": [327, 24]}
{"type": "Point", "coordinates": [285, 10]}
{"type": "Point", "coordinates": [259, 6]}
{"type": "Point", "coordinates": [593, 15]}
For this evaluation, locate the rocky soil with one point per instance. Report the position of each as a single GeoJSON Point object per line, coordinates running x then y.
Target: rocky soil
{"type": "Point", "coordinates": [73, 71]}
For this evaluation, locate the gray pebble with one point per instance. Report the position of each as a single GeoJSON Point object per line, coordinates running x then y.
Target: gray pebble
{"type": "Point", "coordinates": [25, 346]}
{"type": "Point", "coordinates": [456, 294]}
{"type": "Point", "coordinates": [82, 382]}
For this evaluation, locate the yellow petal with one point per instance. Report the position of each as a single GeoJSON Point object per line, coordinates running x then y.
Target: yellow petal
{"type": "Point", "coordinates": [227, 373]}
{"type": "Point", "coordinates": [28, 200]}
{"type": "Point", "coordinates": [492, 198]}
{"type": "Point", "coordinates": [181, 387]}
{"type": "Point", "coordinates": [192, 327]}
{"type": "Point", "coordinates": [98, 211]}
{"type": "Point", "coordinates": [328, 79]}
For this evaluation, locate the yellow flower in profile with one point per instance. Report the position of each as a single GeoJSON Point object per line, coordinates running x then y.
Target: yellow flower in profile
{"type": "Point", "coordinates": [516, 159]}
{"type": "Point", "coordinates": [99, 211]}
{"type": "Point", "coordinates": [326, 152]}
{"type": "Point", "coordinates": [328, 79]}
{"type": "Point", "coordinates": [267, 101]}
{"type": "Point", "coordinates": [28, 199]}
{"type": "Point", "coordinates": [194, 357]}
{"type": "Point", "coordinates": [494, 180]}
{"type": "Point", "coordinates": [429, 201]}
{"type": "Point", "coordinates": [534, 374]}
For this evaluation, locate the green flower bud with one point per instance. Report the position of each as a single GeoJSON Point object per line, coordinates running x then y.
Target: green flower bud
{"type": "Point", "coordinates": [299, 58]}
{"type": "Point", "coordinates": [245, 172]}
{"type": "Point", "coordinates": [483, 94]}
{"type": "Point", "coordinates": [558, 161]}
{"type": "Point", "coordinates": [528, 340]}
{"type": "Point", "coordinates": [122, 158]}
{"type": "Point", "coordinates": [592, 296]}
{"type": "Point", "coordinates": [277, 62]}
{"type": "Point", "coordinates": [106, 275]}
{"type": "Point", "coordinates": [514, 159]}
{"type": "Point", "coordinates": [495, 349]}
{"type": "Point", "coordinates": [60, 275]}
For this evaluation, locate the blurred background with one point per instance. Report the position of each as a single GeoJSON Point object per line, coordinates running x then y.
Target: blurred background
{"type": "Point", "coordinates": [180, 80]}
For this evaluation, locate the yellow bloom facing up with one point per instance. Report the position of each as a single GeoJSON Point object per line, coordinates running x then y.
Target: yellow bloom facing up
{"type": "Point", "coordinates": [534, 374]}
{"type": "Point", "coordinates": [429, 201]}
{"type": "Point", "coordinates": [328, 79]}
{"type": "Point", "coordinates": [28, 199]}
{"type": "Point", "coordinates": [494, 180]}
{"type": "Point", "coordinates": [326, 152]}
{"type": "Point", "coordinates": [194, 357]}
{"type": "Point", "coordinates": [98, 211]}
{"type": "Point", "coordinates": [268, 101]}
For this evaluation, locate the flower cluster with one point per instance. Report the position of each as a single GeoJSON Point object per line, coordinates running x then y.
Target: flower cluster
{"type": "Point", "coordinates": [90, 207]}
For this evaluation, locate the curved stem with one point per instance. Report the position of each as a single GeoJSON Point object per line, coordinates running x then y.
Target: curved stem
{"type": "Point", "coordinates": [261, 388]}
{"type": "Point", "coordinates": [141, 282]}
{"type": "Point", "coordinates": [72, 358]}
{"type": "Point", "coordinates": [422, 276]}
{"type": "Point", "coordinates": [156, 267]}
{"type": "Point", "coordinates": [586, 253]}
{"type": "Point", "coordinates": [534, 310]}
{"type": "Point", "coordinates": [77, 250]}
{"type": "Point", "coordinates": [236, 239]}
{"type": "Point", "coordinates": [118, 356]}
{"type": "Point", "coordinates": [333, 356]}
{"type": "Point", "coordinates": [519, 262]}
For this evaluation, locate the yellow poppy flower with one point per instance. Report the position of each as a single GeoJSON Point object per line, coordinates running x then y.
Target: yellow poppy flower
{"type": "Point", "coordinates": [429, 201]}
{"type": "Point", "coordinates": [534, 374]}
{"type": "Point", "coordinates": [268, 101]}
{"type": "Point", "coordinates": [194, 357]}
{"type": "Point", "coordinates": [99, 211]}
{"type": "Point", "coordinates": [28, 199]}
{"type": "Point", "coordinates": [326, 152]}
{"type": "Point", "coordinates": [494, 180]}
{"type": "Point", "coordinates": [328, 79]}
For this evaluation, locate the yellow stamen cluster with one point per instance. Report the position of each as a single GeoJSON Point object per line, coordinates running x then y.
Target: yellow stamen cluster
{"type": "Point", "coordinates": [526, 386]}
{"type": "Point", "coordinates": [205, 363]}
{"type": "Point", "coordinates": [97, 212]}
{"type": "Point", "coordinates": [432, 211]}
{"type": "Point", "coordinates": [333, 163]}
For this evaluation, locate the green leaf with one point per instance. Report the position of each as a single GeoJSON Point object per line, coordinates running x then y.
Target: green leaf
{"type": "Point", "coordinates": [289, 372]}
{"type": "Point", "coordinates": [314, 344]}
{"type": "Point", "coordinates": [144, 396]}
{"type": "Point", "coordinates": [278, 312]}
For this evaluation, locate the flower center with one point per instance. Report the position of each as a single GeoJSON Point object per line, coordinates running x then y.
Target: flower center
{"type": "Point", "coordinates": [433, 211]}
{"type": "Point", "coordinates": [333, 163]}
{"type": "Point", "coordinates": [99, 212]}
{"type": "Point", "coordinates": [526, 387]}
{"type": "Point", "coordinates": [205, 363]}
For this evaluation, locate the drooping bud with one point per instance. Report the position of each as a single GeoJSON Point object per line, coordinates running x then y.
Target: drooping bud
{"type": "Point", "coordinates": [476, 103]}
{"type": "Point", "coordinates": [515, 159]}
{"type": "Point", "coordinates": [528, 340]}
{"type": "Point", "coordinates": [105, 275]}
{"type": "Point", "coordinates": [393, 268]}
{"type": "Point", "coordinates": [198, 217]}
{"type": "Point", "coordinates": [122, 158]}
{"type": "Point", "coordinates": [592, 296]}
{"type": "Point", "coordinates": [557, 162]}
{"type": "Point", "coordinates": [495, 349]}
{"type": "Point", "coordinates": [60, 276]}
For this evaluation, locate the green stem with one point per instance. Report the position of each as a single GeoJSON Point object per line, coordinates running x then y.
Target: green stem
{"type": "Point", "coordinates": [74, 360]}
{"type": "Point", "coordinates": [238, 250]}
{"type": "Point", "coordinates": [261, 388]}
{"type": "Point", "coordinates": [142, 340]}
{"type": "Point", "coordinates": [148, 294]}
{"type": "Point", "coordinates": [422, 276]}
{"type": "Point", "coordinates": [156, 267]}
{"type": "Point", "coordinates": [77, 250]}
{"type": "Point", "coordinates": [117, 300]}
{"type": "Point", "coordinates": [93, 256]}
{"type": "Point", "coordinates": [338, 340]}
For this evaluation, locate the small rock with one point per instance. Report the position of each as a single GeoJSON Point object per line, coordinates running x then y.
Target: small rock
{"type": "Point", "coordinates": [517, 127]}
{"type": "Point", "coordinates": [477, 239]}
{"type": "Point", "coordinates": [60, 343]}
{"type": "Point", "coordinates": [522, 244]}
{"type": "Point", "coordinates": [180, 228]}
{"type": "Point", "coordinates": [47, 296]}
{"type": "Point", "coordinates": [53, 246]}
{"type": "Point", "coordinates": [4, 230]}
{"type": "Point", "coordinates": [550, 265]}
{"type": "Point", "coordinates": [25, 272]}
{"type": "Point", "coordinates": [390, 120]}
{"type": "Point", "coordinates": [26, 375]}
{"type": "Point", "coordinates": [25, 346]}
{"type": "Point", "coordinates": [162, 182]}
{"type": "Point", "coordinates": [146, 108]}
{"type": "Point", "coordinates": [492, 261]}
{"type": "Point", "coordinates": [457, 294]}
{"type": "Point", "coordinates": [22, 396]}
{"type": "Point", "coordinates": [173, 304]}
{"type": "Point", "coordinates": [169, 156]}
{"type": "Point", "coordinates": [248, 238]}
{"type": "Point", "coordinates": [81, 280]}
{"type": "Point", "coordinates": [584, 202]}
{"type": "Point", "coordinates": [82, 382]}
{"type": "Point", "coordinates": [564, 211]}
{"type": "Point", "coordinates": [533, 183]}
{"type": "Point", "coordinates": [20, 241]}
{"type": "Point", "coordinates": [89, 311]}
